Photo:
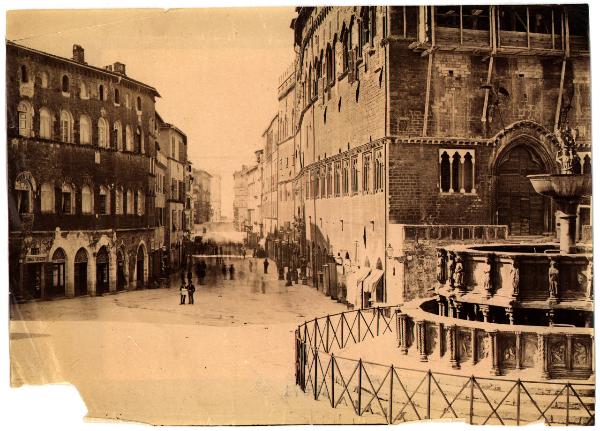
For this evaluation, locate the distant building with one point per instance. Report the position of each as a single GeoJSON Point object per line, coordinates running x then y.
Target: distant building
{"type": "Point", "coordinates": [201, 191]}
{"type": "Point", "coordinates": [240, 198]}
{"type": "Point", "coordinates": [215, 198]}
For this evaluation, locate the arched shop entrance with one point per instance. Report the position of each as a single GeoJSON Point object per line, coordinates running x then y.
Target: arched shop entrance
{"type": "Point", "coordinates": [81, 275]}
{"type": "Point", "coordinates": [518, 206]}
{"type": "Point", "coordinates": [102, 267]}
{"type": "Point", "coordinates": [139, 267]}
{"type": "Point", "coordinates": [121, 280]}
{"type": "Point", "coordinates": [56, 285]}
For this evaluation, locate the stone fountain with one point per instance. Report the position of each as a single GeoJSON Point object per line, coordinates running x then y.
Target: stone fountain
{"type": "Point", "coordinates": [508, 308]}
{"type": "Point", "coordinates": [566, 189]}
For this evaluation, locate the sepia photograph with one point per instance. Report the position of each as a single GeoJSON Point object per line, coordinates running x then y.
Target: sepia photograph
{"type": "Point", "coordinates": [302, 215]}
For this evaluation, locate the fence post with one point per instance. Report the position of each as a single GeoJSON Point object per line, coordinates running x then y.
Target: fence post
{"type": "Point", "coordinates": [567, 416]}
{"type": "Point", "coordinates": [343, 319]}
{"type": "Point", "coordinates": [519, 402]}
{"type": "Point", "coordinates": [327, 324]}
{"type": "Point", "coordinates": [358, 316]}
{"type": "Point", "coordinates": [359, 386]}
{"type": "Point", "coordinates": [428, 394]}
{"type": "Point", "coordinates": [332, 381]}
{"type": "Point", "coordinates": [316, 353]}
{"type": "Point", "coordinates": [471, 400]}
{"type": "Point", "coordinates": [391, 394]}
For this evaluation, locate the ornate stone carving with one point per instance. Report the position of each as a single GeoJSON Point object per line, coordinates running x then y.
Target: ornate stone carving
{"type": "Point", "coordinates": [486, 278]}
{"type": "Point", "coordinates": [553, 277]}
{"type": "Point", "coordinates": [580, 354]}
{"type": "Point", "coordinates": [589, 291]}
{"type": "Point", "coordinates": [441, 266]}
{"type": "Point", "coordinates": [451, 268]}
{"type": "Point", "coordinates": [459, 274]}
{"type": "Point", "coordinates": [557, 353]}
{"type": "Point", "coordinates": [515, 277]}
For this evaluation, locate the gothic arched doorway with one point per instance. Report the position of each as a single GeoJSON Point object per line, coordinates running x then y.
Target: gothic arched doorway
{"type": "Point", "coordinates": [121, 280]}
{"type": "Point", "coordinates": [517, 204]}
{"type": "Point", "coordinates": [102, 266]}
{"type": "Point", "coordinates": [81, 266]}
{"type": "Point", "coordinates": [139, 267]}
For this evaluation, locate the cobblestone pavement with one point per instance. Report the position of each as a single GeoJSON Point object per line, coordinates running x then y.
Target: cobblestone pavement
{"type": "Point", "coordinates": [140, 356]}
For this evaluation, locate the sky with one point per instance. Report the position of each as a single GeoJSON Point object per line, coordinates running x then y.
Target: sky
{"type": "Point", "coordinates": [216, 69]}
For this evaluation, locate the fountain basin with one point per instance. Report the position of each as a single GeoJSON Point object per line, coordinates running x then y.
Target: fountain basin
{"type": "Point", "coordinates": [562, 186]}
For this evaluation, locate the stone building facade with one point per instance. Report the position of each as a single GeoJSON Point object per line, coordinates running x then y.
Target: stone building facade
{"type": "Point", "coordinates": [431, 116]}
{"type": "Point", "coordinates": [423, 120]}
{"type": "Point", "coordinates": [173, 144]}
{"type": "Point", "coordinates": [201, 188]}
{"type": "Point", "coordinates": [77, 225]}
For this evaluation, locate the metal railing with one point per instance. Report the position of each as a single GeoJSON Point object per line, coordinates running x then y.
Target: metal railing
{"type": "Point", "coordinates": [401, 394]}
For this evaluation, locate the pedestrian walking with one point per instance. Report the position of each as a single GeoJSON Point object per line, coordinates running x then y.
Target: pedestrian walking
{"type": "Point", "coordinates": [224, 271]}
{"type": "Point", "coordinates": [202, 271]}
{"type": "Point", "coordinates": [266, 265]}
{"type": "Point", "coordinates": [183, 292]}
{"type": "Point", "coordinates": [231, 271]}
{"type": "Point", "coordinates": [189, 275]}
{"type": "Point", "coordinates": [250, 264]}
{"type": "Point", "coordinates": [191, 289]}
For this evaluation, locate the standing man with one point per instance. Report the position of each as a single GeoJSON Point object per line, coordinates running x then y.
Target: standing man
{"type": "Point", "coordinates": [191, 289]}
{"type": "Point", "coordinates": [266, 264]}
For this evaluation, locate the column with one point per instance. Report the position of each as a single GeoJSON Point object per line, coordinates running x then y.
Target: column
{"type": "Point", "coordinates": [452, 346]}
{"type": "Point", "coordinates": [541, 362]}
{"type": "Point", "coordinates": [485, 310]}
{"type": "Point", "coordinates": [494, 352]}
{"type": "Point", "coordinates": [462, 170]}
{"type": "Point", "coordinates": [510, 314]}
{"type": "Point", "coordinates": [459, 309]}
{"type": "Point", "coordinates": [421, 340]}
{"type": "Point", "coordinates": [440, 303]}
{"type": "Point", "coordinates": [474, 346]}
{"type": "Point", "coordinates": [518, 343]}
{"type": "Point", "coordinates": [569, 352]}
{"type": "Point", "coordinates": [441, 340]}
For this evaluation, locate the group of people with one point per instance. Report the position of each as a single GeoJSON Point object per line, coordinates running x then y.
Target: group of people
{"type": "Point", "coordinates": [186, 291]}
{"type": "Point", "coordinates": [225, 270]}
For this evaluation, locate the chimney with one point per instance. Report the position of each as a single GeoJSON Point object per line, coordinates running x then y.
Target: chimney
{"type": "Point", "coordinates": [109, 67]}
{"type": "Point", "coordinates": [119, 68]}
{"type": "Point", "coordinates": [78, 54]}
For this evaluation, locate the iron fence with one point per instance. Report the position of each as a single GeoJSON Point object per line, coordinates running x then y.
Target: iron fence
{"type": "Point", "coordinates": [400, 394]}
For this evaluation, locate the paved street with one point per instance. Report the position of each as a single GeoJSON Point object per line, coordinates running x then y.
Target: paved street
{"type": "Point", "coordinates": [141, 356]}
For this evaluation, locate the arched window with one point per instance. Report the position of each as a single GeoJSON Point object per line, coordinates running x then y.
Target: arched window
{"type": "Point", "coordinates": [138, 103]}
{"type": "Point", "coordinates": [104, 201]}
{"type": "Point", "coordinates": [44, 79]}
{"type": "Point", "coordinates": [85, 128]}
{"type": "Point", "coordinates": [67, 199]}
{"type": "Point", "coordinates": [57, 285]}
{"type": "Point", "coordinates": [47, 198]}
{"type": "Point", "coordinates": [24, 74]}
{"type": "Point", "coordinates": [25, 112]}
{"type": "Point", "coordinates": [45, 123]}
{"type": "Point", "coordinates": [345, 50]}
{"type": "Point", "coordinates": [117, 97]}
{"type": "Point", "coordinates": [138, 140]}
{"type": "Point", "coordinates": [66, 126]}
{"type": "Point", "coordinates": [118, 135]}
{"type": "Point", "coordinates": [330, 63]}
{"type": "Point", "coordinates": [140, 203]}
{"type": "Point", "coordinates": [128, 139]}
{"type": "Point", "coordinates": [83, 91]}
{"type": "Point", "coordinates": [468, 173]}
{"type": "Point", "coordinates": [65, 84]}
{"type": "Point", "coordinates": [130, 203]}
{"type": "Point", "coordinates": [102, 133]}
{"type": "Point", "coordinates": [24, 193]}
{"type": "Point", "coordinates": [119, 201]}
{"type": "Point", "coordinates": [456, 180]}
{"type": "Point", "coordinates": [86, 200]}
{"type": "Point", "coordinates": [101, 94]}
{"type": "Point", "coordinates": [445, 172]}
